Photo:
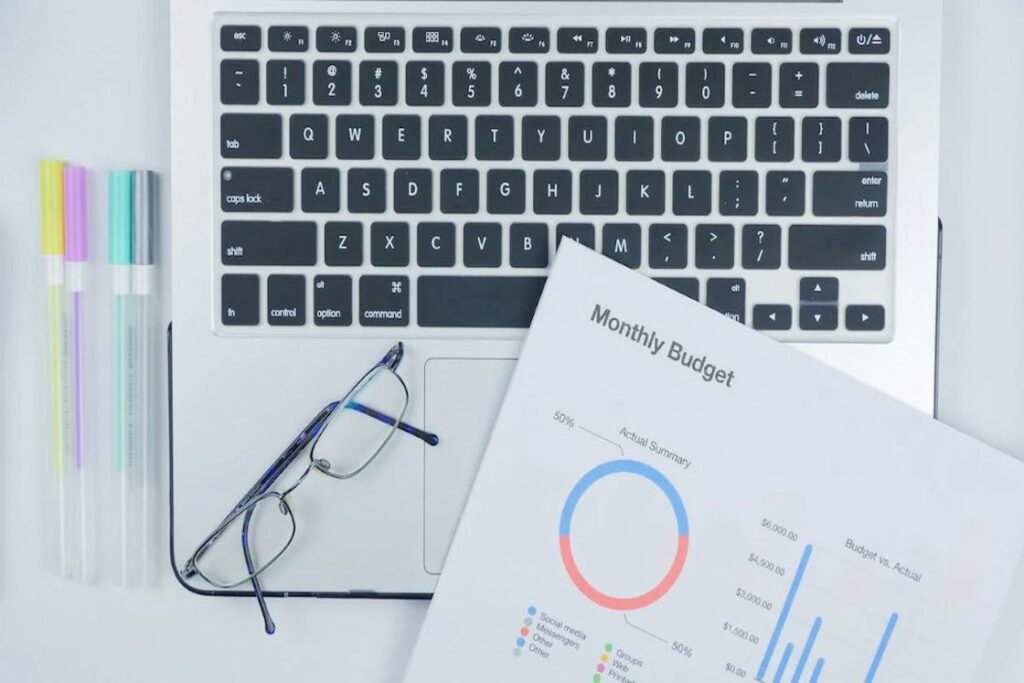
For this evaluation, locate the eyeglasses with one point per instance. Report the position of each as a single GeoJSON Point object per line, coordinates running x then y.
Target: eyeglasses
{"type": "Point", "coordinates": [342, 440]}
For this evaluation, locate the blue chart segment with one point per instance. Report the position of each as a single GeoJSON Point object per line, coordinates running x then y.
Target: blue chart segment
{"type": "Point", "coordinates": [808, 649]}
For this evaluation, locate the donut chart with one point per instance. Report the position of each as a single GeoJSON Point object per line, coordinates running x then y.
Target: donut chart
{"type": "Point", "coordinates": [616, 467]}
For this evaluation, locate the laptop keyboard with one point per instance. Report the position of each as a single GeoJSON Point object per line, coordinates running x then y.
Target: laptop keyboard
{"type": "Point", "coordinates": [393, 172]}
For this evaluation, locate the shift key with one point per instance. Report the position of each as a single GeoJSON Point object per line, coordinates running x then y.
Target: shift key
{"type": "Point", "coordinates": [850, 193]}
{"type": "Point", "coordinates": [257, 189]}
{"type": "Point", "coordinates": [837, 247]}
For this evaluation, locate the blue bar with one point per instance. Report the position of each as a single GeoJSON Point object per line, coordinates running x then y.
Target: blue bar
{"type": "Point", "coordinates": [817, 670]}
{"type": "Point", "coordinates": [784, 614]}
{"type": "Point", "coordinates": [806, 654]}
{"type": "Point", "coordinates": [881, 647]}
{"type": "Point", "coordinates": [782, 663]}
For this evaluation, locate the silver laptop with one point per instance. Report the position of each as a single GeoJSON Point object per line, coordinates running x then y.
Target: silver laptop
{"type": "Point", "coordinates": [346, 175]}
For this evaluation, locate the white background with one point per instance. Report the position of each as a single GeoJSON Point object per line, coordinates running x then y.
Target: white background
{"type": "Point", "coordinates": [88, 81]}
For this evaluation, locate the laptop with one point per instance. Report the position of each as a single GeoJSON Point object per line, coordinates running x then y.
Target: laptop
{"type": "Point", "coordinates": [346, 175]}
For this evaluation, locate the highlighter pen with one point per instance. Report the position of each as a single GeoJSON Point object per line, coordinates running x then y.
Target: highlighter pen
{"type": "Point", "coordinates": [119, 256]}
{"type": "Point", "coordinates": [76, 255]}
{"type": "Point", "coordinates": [51, 177]}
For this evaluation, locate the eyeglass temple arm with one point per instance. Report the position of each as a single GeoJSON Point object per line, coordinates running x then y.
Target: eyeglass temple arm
{"type": "Point", "coordinates": [429, 437]}
{"type": "Point", "coordinates": [268, 621]}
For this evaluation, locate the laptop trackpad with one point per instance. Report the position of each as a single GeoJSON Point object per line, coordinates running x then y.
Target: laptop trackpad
{"type": "Point", "coordinates": [462, 401]}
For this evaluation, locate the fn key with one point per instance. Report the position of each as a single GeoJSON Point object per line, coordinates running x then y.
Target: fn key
{"type": "Point", "coordinates": [240, 299]}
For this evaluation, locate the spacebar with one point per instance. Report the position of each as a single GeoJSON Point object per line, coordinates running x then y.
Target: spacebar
{"type": "Point", "coordinates": [475, 301]}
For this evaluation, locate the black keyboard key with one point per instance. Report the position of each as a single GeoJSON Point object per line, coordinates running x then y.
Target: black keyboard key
{"type": "Point", "coordinates": [250, 136]}
{"type": "Point", "coordinates": [727, 138]}
{"type": "Point", "coordinates": [850, 193]}
{"type": "Point", "coordinates": [837, 247]}
{"type": "Point", "coordinates": [286, 300]}
{"type": "Point", "coordinates": [625, 41]}
{"type": "Point", "coordinates": [471, 84]}
{"type": "Point", "coordinates": [321, 190]}
{"type": "Point", "coordinates": [771, 41]}
{"type": "Point", "coordinates": [728, 296]}
{"type": "Point", "coordinates": [751, 85]}
{"type": "Point", "coordinates": [343, 243]}
{"type": "Point", "coordinates": [822, 139]}
{"type": "Point", "coordinates": [667, 248]}
{"type": "Point", "coordinates": [530, 40]}
{"type": "Point", "coordinates": [517, 84]}
{"type": "Point", "coordinates": [481, 245]}
{"type": "Point", "coordinates": [821, 41]}
{"type": "Point", "coordinates": [240, 299]}
{"type": "Point", "coordinates": [687, 286]}
{"type": "Point", "coordinates": [384, 301]}
{"type": "Point", "coordinates": [869, 41]}
{"type": "Point", "coordinates": [448, 137]}
{"type": "Point", "coordinates": [819, 290]}
{"type": "Point", "coordinates": [332, 300]}
{"type": "Point", "coordinates": [288, 38]}
{"type": "Point", "coordinates": [675, 41]}
{"type": "Point", "coordinates": [389, 244]}
{"type": "Point", "coordinates": [818, 317]}
{"type": "Point", "coordinates": [367, 190]}
{"type": "Point", "coordinates": [542, 138]}
{"type": "Point", "coordinates": [599, 192]}
{"type": "Point", "coordinates": [634, 138]}
{"type": "Point", "coordinates": [581, 233]}
{"type": "Point", "coordinates": [257, 189]}
{"type": "Point", "coordinates": [723, 41]}
{"type": "Point", "coordinates": [400, 136]}
{"type": "Point", "coordinates": [414, 190]}
{"type": "Point", "coordinates": [612, 83]}
{"type": "Point", "coordinates": [239, 81]}
{"type": "Point", "coordinates": [336, 39]}
{"type": "Point", "coordinates": [621, 242]}
{"type": "Point", "coordinates": [552, 192]}
{"type": "Point", "coordinates": [286, 81]}
{"type": "Point", "coordinates": [354, 136]}
{"type": "Point", "coordinates": [307, 136]}
{"type": "Point", "coordinates": [775, 317]}
{"type": "Point", "coordinates": [588, 138]}
{"type": "Point", "coordinates": [247, 38]}
{"type": "Point", "coordinates": [332, 83]}
{"type": "Point", "coordinates": [691, 193]}
{"type": "Point", "coordinates": [495, 138]}
{"type": "Point", "coordinates": [506, 191]}
{"type": "Point", "coordinates": [460, 190]}
{"type": "Point", "coordinates": [577, 41]}
{"type": "Point", "coordinates": [424, 84]}
{"type": "Point", "coordinates": [378, 83]}
{"type": "Point", "coordinates": [715, 246]}
{"type": "Point", "coordinates": [785, 193]}
{"type": "Point", "coordinates": [865, 318]}
{"type": "Point", "coordinates": [480, 39]}
{"type": "Point", "coordinates": [475, 301]}
{"type": "Point", "coordinates": [645, 193]}
{"type": "Point", "coordinates": [563, 84]}
{"type": "Point", "coordinates": [528, 245]}
{"type": "Point", "coordinates": [659, 84]}
{"type": "Point", "coordinates": [869, 139]}
{"type": "Point", "coordinates": [737, 193]}
{"type": "Point", "coordinates": [384, 39]}
{"type": "Point", "coordinates": [798, 85]}
{"type": "Point", "coordinates": [861, 85]}
{"type": "Point", "coordinates": [435, 245]}
{"type": "Point", "coordinates": [268, 243]}
{"type": "Point", "coordinates": [774, 138]}
{"type": "Point", "coordinates": [705, 85]}
{"type": "Point", "coordinates": [432, 39]}
{"type": "Point", "coordinates": [762, 247]}
{"type": "Point", "coordinates": [680, 138]}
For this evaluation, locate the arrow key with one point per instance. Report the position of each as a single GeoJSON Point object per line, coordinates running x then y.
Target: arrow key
{"type": "Point", "coordinates": [819, 289]}
{"type": "Point", "coordinates": [819, 317]}
{"type": "Point", "coordinates": [577, 41]}
{"type": "Point", "coordinates": [865, 318]}
{"type": "Point", "coordinates": [773, 317]}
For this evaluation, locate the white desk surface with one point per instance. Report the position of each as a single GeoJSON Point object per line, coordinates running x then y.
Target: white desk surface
{"type": "Point", "coordinates": [88, 81]}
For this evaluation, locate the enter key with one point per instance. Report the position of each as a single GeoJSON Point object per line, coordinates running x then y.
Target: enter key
{"type": "Point", "coordinates": [850, 193]}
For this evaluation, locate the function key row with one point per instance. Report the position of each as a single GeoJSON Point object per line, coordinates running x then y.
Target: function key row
{"type": "Point", "coordinates": [568, 40]}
